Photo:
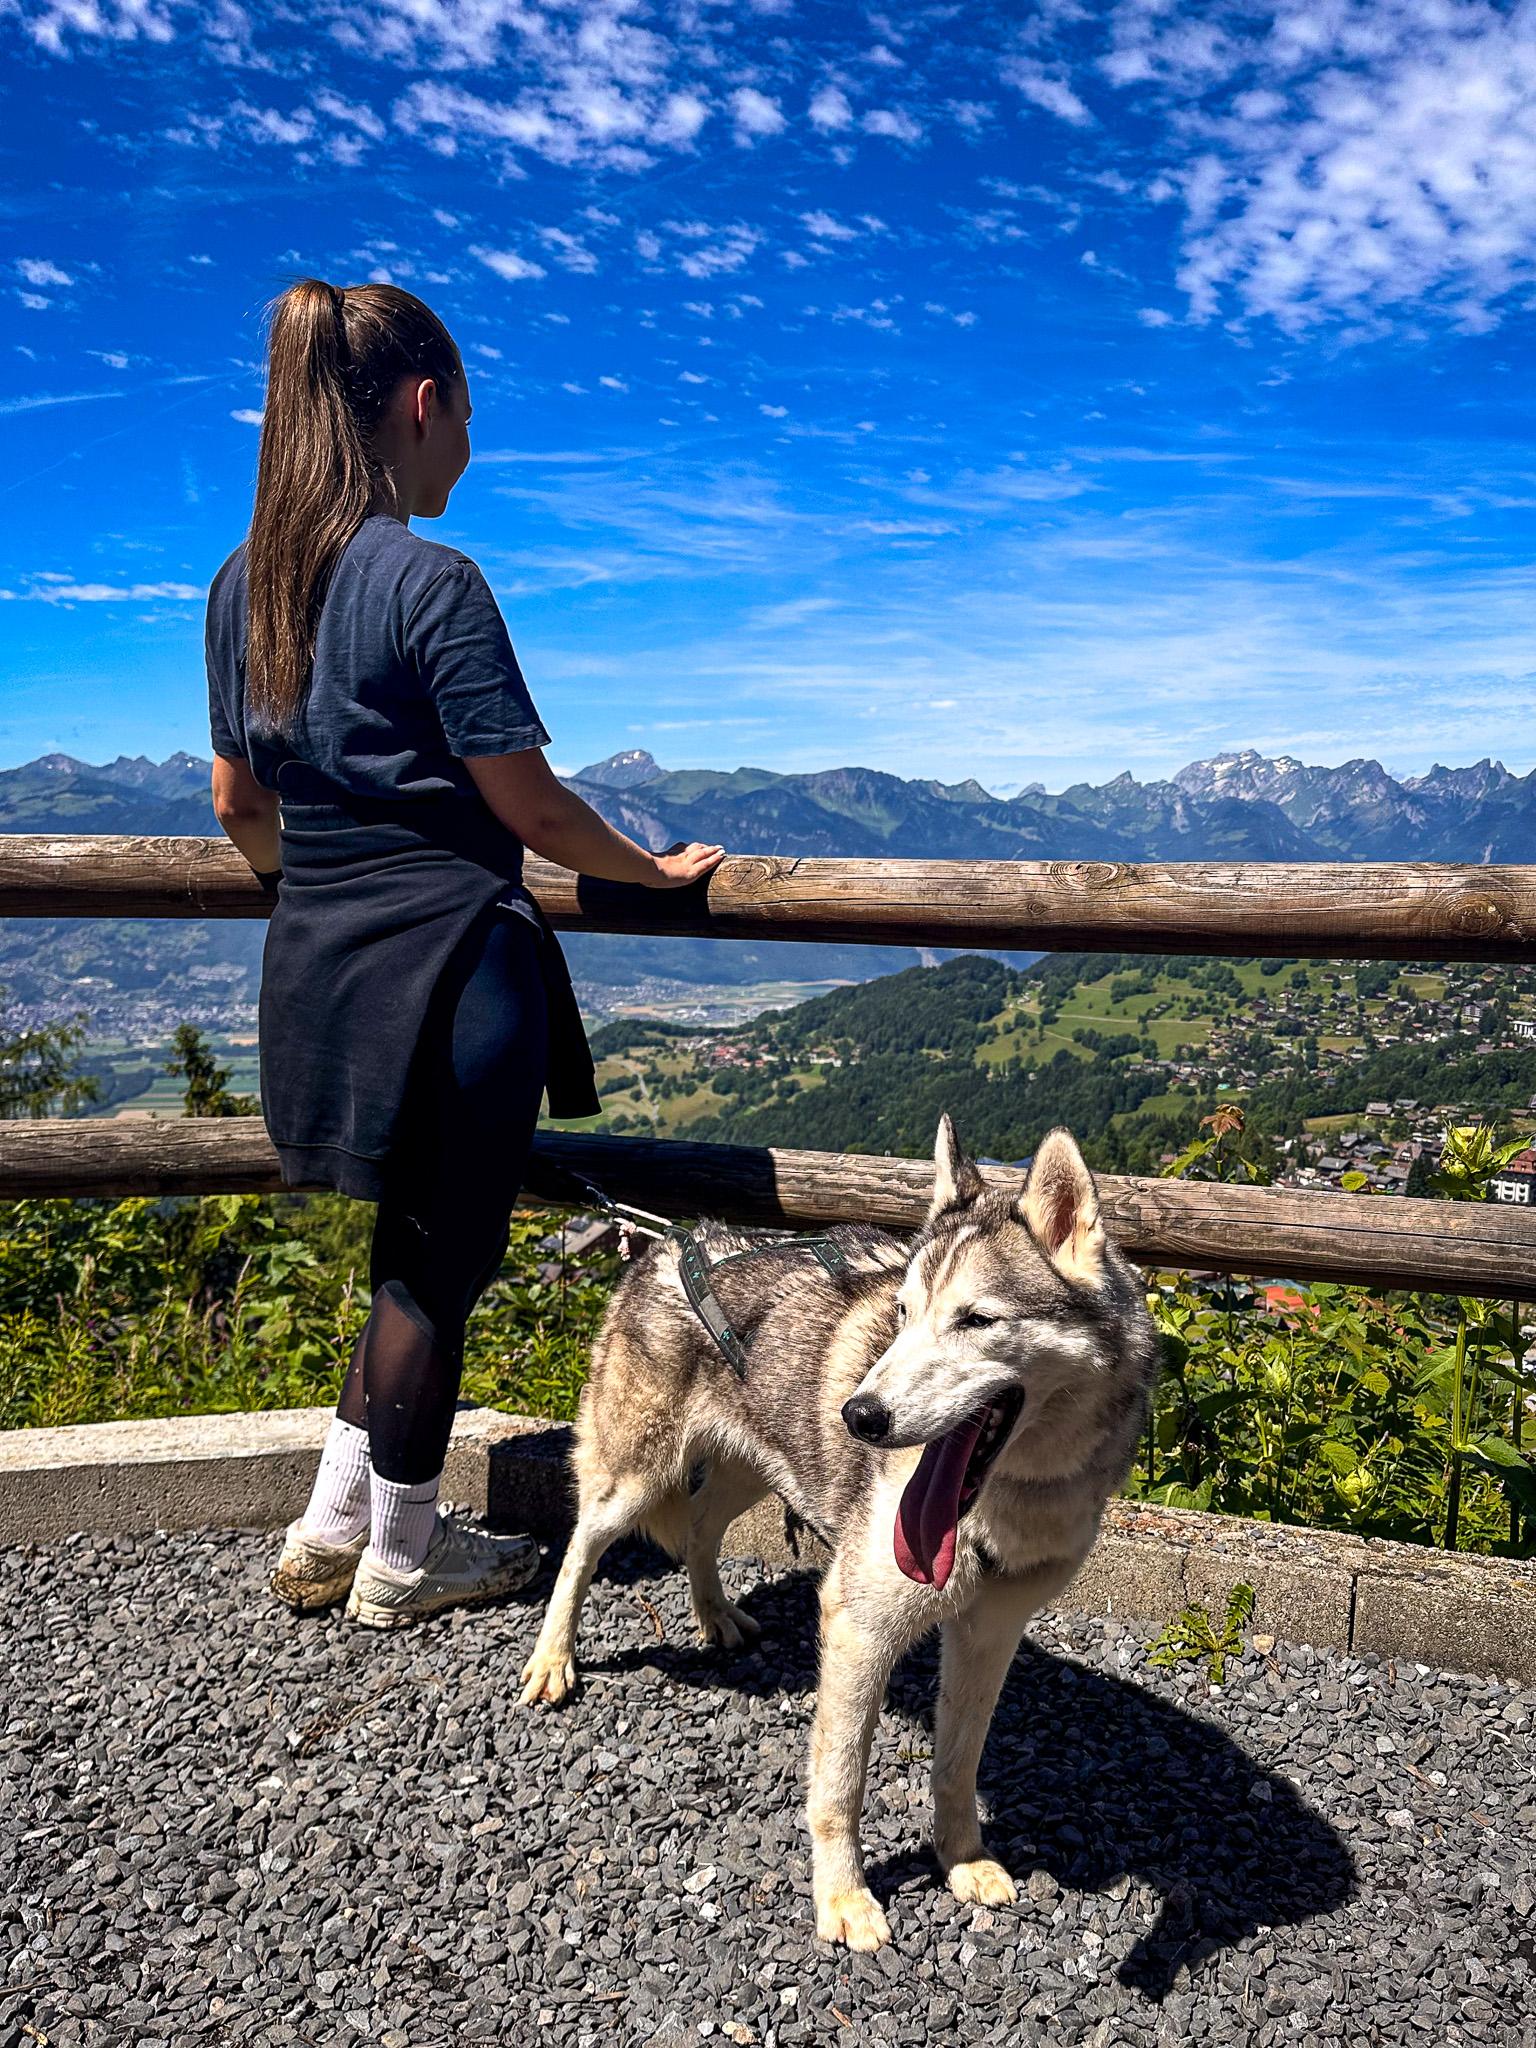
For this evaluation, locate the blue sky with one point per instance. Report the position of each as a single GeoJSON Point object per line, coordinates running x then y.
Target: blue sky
{"type": "Point", "coordinates": [1020, 392]}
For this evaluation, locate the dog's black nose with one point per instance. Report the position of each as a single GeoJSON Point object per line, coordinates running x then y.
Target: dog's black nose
{"type": "Point", "coordinates": [868, 1417]}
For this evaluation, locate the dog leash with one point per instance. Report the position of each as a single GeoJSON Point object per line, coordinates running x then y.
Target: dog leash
{"type": "Point", "coordinates": [695, 1265]}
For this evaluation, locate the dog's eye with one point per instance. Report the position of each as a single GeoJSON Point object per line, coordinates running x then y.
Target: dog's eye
{"type": "Point", "coordinates": [901, 1311]}
{"type": "Point", "coordinates": [973, 1319]}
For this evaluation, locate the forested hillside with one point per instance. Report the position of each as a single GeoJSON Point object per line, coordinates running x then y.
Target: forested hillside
{"type": "Point", "coordinates": [1128, 1050]}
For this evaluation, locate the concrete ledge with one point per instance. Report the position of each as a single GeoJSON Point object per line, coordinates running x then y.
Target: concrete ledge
{"type": "Point", "coordinates": [1315, 1586]}
{"type": "Point", "coordinates": [201, 1471]}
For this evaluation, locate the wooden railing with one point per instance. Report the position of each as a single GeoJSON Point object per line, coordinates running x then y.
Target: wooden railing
{"type": "Point", "coordinates": [1289, 910]}
{"type": "Point", "coordinates": [1418, 911]}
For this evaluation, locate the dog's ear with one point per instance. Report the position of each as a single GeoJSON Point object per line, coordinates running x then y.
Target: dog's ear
{"type": "Point", "coordinates": [956, 1183]}
{"type": "Point", "coordinates": [1060, 1205]}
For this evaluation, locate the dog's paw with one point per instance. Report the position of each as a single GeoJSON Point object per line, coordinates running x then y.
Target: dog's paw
{"type": "Point", "coordinates": [727, 1627]}
{"type": "Point", "coordinates": [853, 1918]}
{"type": "Point", "coordinates": [548, 1676]}
{"type": "Point", "coordinates": [982, 1883]}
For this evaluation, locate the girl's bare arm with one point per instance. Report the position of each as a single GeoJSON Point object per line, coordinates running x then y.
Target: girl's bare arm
{"type": "Point", "coordinates": [248, 813]}
{"type": "Point", "coordinates": [530, 800]}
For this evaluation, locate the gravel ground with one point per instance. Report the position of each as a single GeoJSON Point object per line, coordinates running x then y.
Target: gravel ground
{"type": "Point", "coordinates": [222, 1824]}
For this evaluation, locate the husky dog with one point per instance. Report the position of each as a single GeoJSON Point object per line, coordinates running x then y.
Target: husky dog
{"type": "Point", "coordinates": [949, 1413]}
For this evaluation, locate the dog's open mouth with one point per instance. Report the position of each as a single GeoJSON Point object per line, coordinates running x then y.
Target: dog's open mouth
{"type": "Point", "coordinates": [948, 1478]}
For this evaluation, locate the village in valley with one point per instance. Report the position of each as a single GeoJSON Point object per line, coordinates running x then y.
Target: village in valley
{"type": "Point", "coordinates": [1183, 1032]}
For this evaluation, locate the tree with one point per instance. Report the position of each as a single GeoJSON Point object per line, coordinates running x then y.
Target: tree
{"type": "Point", "coordinates": [205, 1093]}
{"type": "Point", "coordinates": [38, 1071]}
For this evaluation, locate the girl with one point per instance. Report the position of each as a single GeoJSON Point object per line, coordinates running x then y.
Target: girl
{"type": "Point", "coordinates": [378, 761]}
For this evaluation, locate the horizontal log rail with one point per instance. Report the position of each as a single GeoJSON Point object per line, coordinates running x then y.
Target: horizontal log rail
{"type": "Point", "coordinates": [1291, 910]}
{"type": "Point", "coordinates": [1479, 1248]}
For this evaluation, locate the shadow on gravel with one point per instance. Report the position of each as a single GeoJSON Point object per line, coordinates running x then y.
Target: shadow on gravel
{"type": "Point", "coordinates": [1086, 1777]}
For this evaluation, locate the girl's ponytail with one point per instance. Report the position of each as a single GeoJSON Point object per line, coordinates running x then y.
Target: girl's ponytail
{"type": "Point", "coordinates": [334, 359]}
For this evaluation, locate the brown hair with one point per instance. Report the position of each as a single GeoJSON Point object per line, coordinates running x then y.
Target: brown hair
{"type": "Point", "coordinates": [334, 359]}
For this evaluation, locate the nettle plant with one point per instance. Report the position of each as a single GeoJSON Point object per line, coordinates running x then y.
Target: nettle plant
{"type": "Point", "coordinates": [1337, 1407]}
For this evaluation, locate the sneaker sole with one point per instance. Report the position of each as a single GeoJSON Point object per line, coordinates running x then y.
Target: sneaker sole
{"type": "Point", "coordinates": [308, 1596]}
{"type": "Point", "coordinates": [373, 1614]}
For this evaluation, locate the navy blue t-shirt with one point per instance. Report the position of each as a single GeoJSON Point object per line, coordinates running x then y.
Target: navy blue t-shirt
{"type": "Point", "coordinates": [414, 672]}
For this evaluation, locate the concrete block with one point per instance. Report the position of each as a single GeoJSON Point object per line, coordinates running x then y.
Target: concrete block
{"type": "Point", "coordinates": [529, 1483]}
{"type": "Point", "coordinates": [1455, 1615]}
{"type": "Point", "coordinates": [1150, 1567]}
{"type": "Point", "coordinates": [198, 1471]}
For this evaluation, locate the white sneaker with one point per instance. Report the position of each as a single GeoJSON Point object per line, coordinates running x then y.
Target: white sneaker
{"type": "Point", "coordinates": [311, 1574]}
{"type": "Point", "coordinates": [462, 1568]}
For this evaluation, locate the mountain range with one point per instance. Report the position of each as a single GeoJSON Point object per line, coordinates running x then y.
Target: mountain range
{"type": "Point", "coordinates": [1234, 806]}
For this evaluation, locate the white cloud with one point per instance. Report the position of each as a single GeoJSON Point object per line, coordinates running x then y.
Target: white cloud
{"type": "Point", "coordinates": [691, 377]}
{"type": "Point", "coordinates": [583, 119]}
{"type": "Point", "coordinates": [1043, 89]}
{"type": "Point", "coordinates": [755, 114]}
{"type": "Point", "coordinates": [37, 401]}
{"type": "Point", "coordinates": [829, 109]}
{"type": "Point", "coordinates": [824, 227]}
{"type": "Point", "coordinates": [971, 115]}
{"type": "Point", "coordinates": [350, 114]}
{"type": "Point", "coordinates": [248, 416]}
{"type": "Point", "coordinates": [681, 117]}
{"type": "Point", "coordinates": [1154, 316]}
{"type": "Point", "coordinates": [122, 21]}
{"type": "Point", "coordinates": [774, 412]}
{"type": "Point", "coordinates": [1346, 163]}
{"type": "Point", "coordinates": [39, 271]}
{"type": "Point", "coordinates": [902, 529]}
{"type": "Point", "coordinates": [707, 251]}
{"type": "Point", "coordinates": [268, 125]}
{"type": "Point", "coordinates": [54, 591]}
{"type": "Point", "coordinates": [894, 123]}
{"type": "Point", "coordinates": [568, 250]}
{"type": "Point", "coordinates": [613, 383]}
{"type": "Point", "coordinates": [508, 264]}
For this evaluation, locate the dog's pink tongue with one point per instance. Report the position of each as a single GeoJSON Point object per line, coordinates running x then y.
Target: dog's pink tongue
{"type": "Point", "coordinates": [928, 1519]}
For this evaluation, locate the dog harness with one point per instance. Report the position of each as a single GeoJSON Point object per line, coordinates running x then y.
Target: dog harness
{"type": "Point", "coordinates": [695, 1265]}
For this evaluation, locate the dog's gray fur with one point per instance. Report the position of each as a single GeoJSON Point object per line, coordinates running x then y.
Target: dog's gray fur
{"type": "Point", "coordinates": [1069, 1326]}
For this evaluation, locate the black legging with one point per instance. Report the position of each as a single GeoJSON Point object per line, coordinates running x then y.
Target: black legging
{"type": "Point", "coordinates": [441, 1233]}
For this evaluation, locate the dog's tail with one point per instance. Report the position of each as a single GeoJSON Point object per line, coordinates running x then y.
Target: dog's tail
{"type": "Point", "coordinates": [667, 1522]}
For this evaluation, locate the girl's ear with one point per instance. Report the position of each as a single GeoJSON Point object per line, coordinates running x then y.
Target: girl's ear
{"type": "Point", "coordinates": [956, 1183]}
{"type": "Point", "coordinates": [1060, 1207]}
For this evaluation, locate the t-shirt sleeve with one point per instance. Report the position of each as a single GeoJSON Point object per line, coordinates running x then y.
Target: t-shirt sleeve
{"type": "Point", "coordinates": [459, 642]}
{"type": "Point", "coordinates": [223, 678]}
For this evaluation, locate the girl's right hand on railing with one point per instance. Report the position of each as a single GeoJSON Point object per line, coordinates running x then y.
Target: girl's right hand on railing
{"type": "Point", "coordinates": [682, 864]}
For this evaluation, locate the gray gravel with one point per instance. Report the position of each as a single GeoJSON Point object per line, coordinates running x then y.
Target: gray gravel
{"type": "Point", "coordinates": [223, 1824]}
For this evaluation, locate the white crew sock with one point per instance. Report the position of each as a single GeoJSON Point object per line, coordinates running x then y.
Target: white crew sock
{"type": "Point", "coordinates": [402, 1522]}
{"type": "Point", "coordinates": [338, 1506]}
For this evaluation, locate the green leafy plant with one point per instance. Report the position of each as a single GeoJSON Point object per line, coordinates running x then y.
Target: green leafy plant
{"type": "Point", "coordinates": [1470, 1158]}
{"type": "Point", "coordinates": [147, 1308]}
{"type": "Point", "coordinates": [1191, 1636]}
{"type": "Point", "coordinates": [1335, 1407]}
